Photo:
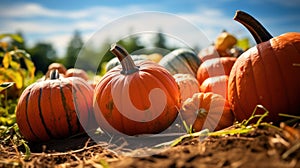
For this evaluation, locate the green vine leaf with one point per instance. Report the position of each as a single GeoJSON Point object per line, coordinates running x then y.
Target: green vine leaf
{"type": "Point", "coordinates": [6, 60]}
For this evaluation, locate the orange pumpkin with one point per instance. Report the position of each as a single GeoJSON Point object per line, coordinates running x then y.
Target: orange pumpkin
{"type": "Point", "coordinates": [50, 109]}
{"type": "Point", "coordinates": [188, 85]}
{"type": "Point", "coordinates": [77, 72]}
{"type": "Point", "coordinates": [216, 84]}
{"type": "Point", "coordinates": [215, 67]}
{"type": "Point", "coordinates": [266, 74]}
{"type": "Point", "coordinates": [136, 99]}
{"type": "Point", "coordinates": [60, 67]}
{"type": "Point", "coordinates": [207, 110]}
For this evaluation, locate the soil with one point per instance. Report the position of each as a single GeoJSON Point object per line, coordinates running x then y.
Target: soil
{"type": "Point", "coordinates": [262, 147]}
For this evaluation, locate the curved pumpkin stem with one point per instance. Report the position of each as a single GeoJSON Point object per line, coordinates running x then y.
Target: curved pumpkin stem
{"type": "Point", "coordinates": [54, 74]}
{"type": "Point", "coordinates": [125, 59]}
{"type": "Point", "coordinates": [257, 30]}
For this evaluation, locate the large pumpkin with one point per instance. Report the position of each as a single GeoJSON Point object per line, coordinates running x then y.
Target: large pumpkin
{"type": "Point", "coordinates": [182, 60]}
{"type": "Point", "coordinates": [207, 110]}
{"type": "Point", "coordinates": [215, 67]}
{"type": "Point", "coordinates": [188, 85]}
{"type": "Point", "coordinates": [136, 99]}
{"type": "Point", "coordinates": [266, 74]}
{"type": "Point", "coordinates": [50, 109]}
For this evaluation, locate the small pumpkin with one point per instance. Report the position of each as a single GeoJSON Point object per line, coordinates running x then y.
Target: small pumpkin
{"type": "Point", "coordinates": [155, 57]}
{"type": "Point", "coordinates": [136, 97]}
{"type": "Point", "coordinates": [207, 110]}
{"type": "Point", "coordinates": [266, 74]}
{"type": "Point", "coordinates": [225, 41]}
{"type": "Point", "coordinates": [50, 109]}
{"type": "Point", "coordinates": [181, 60]}
{"type": "Point", "coordinates": [207, 53]}
{"type": "Point", "coordinates": [77, 73]}
{"type": "Point", "coordinates": [60, 67]}
{"type": "Point", "coordinates": [188, 85]}
{"type": "Point", "coordinates": [215, 67]}
{"type": "Point", "coordinates": [216, 84]}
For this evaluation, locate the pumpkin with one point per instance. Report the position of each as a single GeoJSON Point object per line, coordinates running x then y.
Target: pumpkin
{"type": "Point", "coordinates": [60, 67]}
{"type": "Point", "coordinates": [215, 67]}
{"type": "Point", "coordinates": [225, 41]}
{"type": "Point", "coordinates": [136, 97]}
{"type": "Point", "coordinates": [207, 110]}
{"type": "Point", "coordinates": [155, 57]}
{"type": "Point", "coordinates": [188, 85]}
{"type": "Point", "coordinates": [115, 61]}
{"type": "Point", "coordinates": [181, 60]}
{"type": "Point", "coordinates": [224, 46]}
{"type": "Point", "coordinates": [207, 53]}
{"type": "Point", "coordinates": [266, 74]}
{"type": "Point", "coordinates": [50, 109]}
{"type": "Point", "coordinates": [216, 84]}
{"type": "Point", "coordinates": [77, 72]}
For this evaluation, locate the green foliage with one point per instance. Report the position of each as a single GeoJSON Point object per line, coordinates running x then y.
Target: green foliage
{"type": "Point", "coordinates": [73, 50]}
{"type": "Point", "coordinates": [42, 55]}
{"type": "Point", "coordinates": [16, 67]}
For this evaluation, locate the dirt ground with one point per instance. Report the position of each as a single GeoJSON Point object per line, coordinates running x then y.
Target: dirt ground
{"type": "Point", "coordinates": [262, 147]}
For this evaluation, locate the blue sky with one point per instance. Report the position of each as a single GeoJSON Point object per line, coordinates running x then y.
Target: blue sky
{"type": "Point", "coordinates": [55, 21]}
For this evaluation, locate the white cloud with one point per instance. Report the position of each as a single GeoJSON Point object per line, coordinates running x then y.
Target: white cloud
{"type": "Point", "coordinates": [199, 27]}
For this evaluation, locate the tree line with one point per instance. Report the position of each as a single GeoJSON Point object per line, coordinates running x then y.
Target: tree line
{"type": "Point", "coordinates": [43, 53]}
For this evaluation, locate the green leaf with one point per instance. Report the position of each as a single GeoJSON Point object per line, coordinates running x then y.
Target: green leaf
{"type": "Point", "coordinates": [11, 75]}
{"type": "Point", "coordinates": [30, 66]}
{"type": "Point", "coordinates": [243, 43]}
{"type": "Point", "coordinates": [12, 36]}
{"type": "Point", "coordinates": [5, 85]}
{"type": "Point", "coordinates": [6, 60]}
{"type": "Point", "coordinates": [15, 65]}
{"type": "Point", "coordinates": [27, 150]}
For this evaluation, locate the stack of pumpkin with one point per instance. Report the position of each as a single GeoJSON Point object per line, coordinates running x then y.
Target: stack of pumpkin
{"type": "Point", "coordinates": [144, 96]}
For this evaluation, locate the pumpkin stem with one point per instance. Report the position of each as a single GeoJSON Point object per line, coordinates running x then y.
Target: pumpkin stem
{"type": "Point", "coordinates": [128, 66]}
{"type": "Point", "coordinates": [54, 74]}
{"type": "Point", "coordinates": [256, 29]}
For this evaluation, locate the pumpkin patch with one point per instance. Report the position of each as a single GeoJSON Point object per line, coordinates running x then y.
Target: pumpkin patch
{"type": "Point", "coordinates": [234, 104]}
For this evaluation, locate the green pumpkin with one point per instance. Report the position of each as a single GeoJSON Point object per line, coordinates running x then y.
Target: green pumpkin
{"type": "Point", "coordinates": [181, 60]}
{"type": "Point", "coordinates": [115, 62]}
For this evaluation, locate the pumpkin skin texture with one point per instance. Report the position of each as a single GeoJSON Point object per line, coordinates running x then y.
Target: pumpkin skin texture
{"type": "Point", "coordinates": [217, 85]}
{"type": "Point", "coordinates": [181, 60]}
{"type": "Point", "coordinates": [136, 98]}
{"type": "Point", "coordinates": [266, 74]}
{"type": "Point", "coordinates": [215, 67]}
{"type": "Point", "coordinates": [50, 109]}
{"type": "Point", "coordinates": [77, 73]}
{"type": "Point", "coordinates": [208, 53]}
{"type": "Point", "coordinates": [188, 85]}
{"type": "Point", "coordinates": [207, 110]}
